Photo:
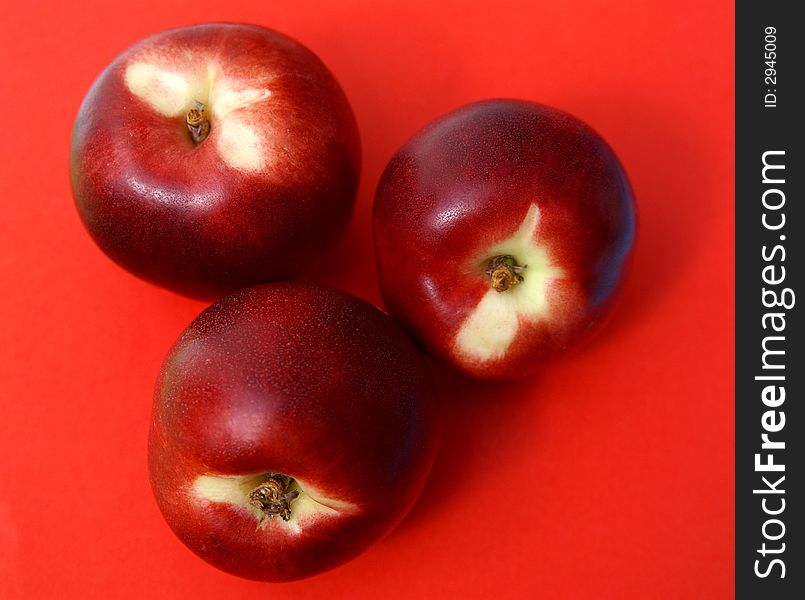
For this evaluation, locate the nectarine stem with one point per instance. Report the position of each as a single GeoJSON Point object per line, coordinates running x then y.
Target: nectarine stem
{"type": "Point", "coordinates": [274, 496]}
{"type": "Point", "coordinates": [504, 272]}
{"type": "Point", "coordinates": [197, 123]}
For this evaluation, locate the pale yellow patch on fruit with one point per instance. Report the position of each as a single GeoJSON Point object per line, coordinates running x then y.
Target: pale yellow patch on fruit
{"type": "Point", "coordinates": [239, 145]}
{"type": "Point", "coordinates": [224, 100]}
{"type": "Point", "coordinates": [167, 92]}
{"type": "Point", "coordinates": [489, 330]}
{"type": "Point", "coordinates": [236, 132]}
{"type": "Point", "coordinates": [234, 490]}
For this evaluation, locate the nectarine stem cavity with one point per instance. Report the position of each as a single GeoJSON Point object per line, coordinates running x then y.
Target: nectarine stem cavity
{"type": "Point", "coordinates": [504, 272]}
{"type": "Point", "coordinates": [197, 123]}
{"type": "Point", "coordinates": [273, 497]}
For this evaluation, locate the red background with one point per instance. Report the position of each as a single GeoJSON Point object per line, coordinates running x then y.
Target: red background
{"type": "Point", "coordinates": [609, 476]}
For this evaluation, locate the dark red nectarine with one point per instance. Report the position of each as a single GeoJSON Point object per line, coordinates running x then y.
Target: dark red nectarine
{"type": "Point", "coordinates": [503, 230]}
{"type": "Point", "coordinates": [213, 157]}
{"type": "Point", "coordinates": [292, 427]}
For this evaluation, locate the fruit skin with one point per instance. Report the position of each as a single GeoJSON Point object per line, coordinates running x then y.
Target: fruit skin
{"type": "Point", "coordinates": [180, 215]}
{"type": "Point", "coordinates": [294, 379]}
{"type": "Point", "coordinates": [465, 183]}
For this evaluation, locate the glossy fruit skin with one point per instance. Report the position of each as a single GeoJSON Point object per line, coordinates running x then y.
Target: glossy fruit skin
{"type": "Point", "coordinates": [463, 183]}
{"type": "Point", "coordinates": [301, 380]}
{"type": "Point", "coordinates": [176, 214]}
